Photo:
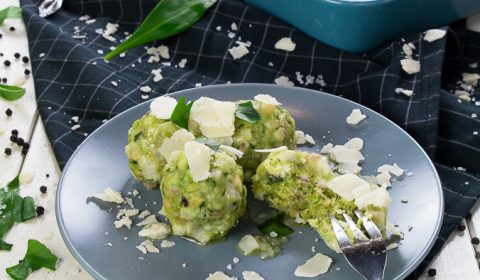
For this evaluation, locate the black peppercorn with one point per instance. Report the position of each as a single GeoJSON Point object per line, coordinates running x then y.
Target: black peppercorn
{"type": "Point", "coordinates": [8, 151]}
{"type": "Point", "coordinates": [13, 138]}
{"type": "Point", "coordinates": [43, 189]}
{"type": "Point", "coordinates": [184, 201]}
{"type": "Point", "coordinates": [27, 72]}
{"type": "Point", "coordinates": [40, 210]}
{"type": "Point", "coordinates": [7, 63]}
{"type": "Point", "coordinates": [475, 241]}
{"type": "Point", "coordinates": [4, 80]}
{"type": "Point", "coordinates": [12, 28]}
{"type": "Point", "coordinates": [1, 35]}
{"type": "Point", "coordinates": [17, 55]}
{"type": "Point", "coordinates": [47, 175]}
{"type": "Point", "coordinates": [25, 59]}
{"type": "Point", "coordinates": [24, 151]}
{"type": "Point", "coordinates": [20, 141]}
{"type": "Point", "coordinates": [26, 145]}
{"type": "Point", "coordinates": [462, 227]}
{"type": "Point", "coordinates": [14, 132]}
{"type": "Point", "coordinates": [432, 272]}
{"type": "Point", "coordinates": [9, 112]}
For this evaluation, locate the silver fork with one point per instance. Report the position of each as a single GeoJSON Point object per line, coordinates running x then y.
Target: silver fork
{"type": "Point", "coordinates": [367, 256]}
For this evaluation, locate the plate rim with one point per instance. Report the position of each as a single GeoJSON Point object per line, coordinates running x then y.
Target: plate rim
{"type": "Point", "coordinates": [409, 269]}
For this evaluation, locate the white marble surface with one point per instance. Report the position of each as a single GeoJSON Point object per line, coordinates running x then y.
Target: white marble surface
{"type": "Point", "coordinates": [456, 261]}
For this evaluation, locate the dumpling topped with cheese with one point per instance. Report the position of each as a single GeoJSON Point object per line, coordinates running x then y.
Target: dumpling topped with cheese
{"type": "Point", "coordinates": [203, 192]}
{"type": "Point", "coordinates": [275, 128]}
{"type": "Point", "coordinates": [303, 186]}
{"type": "Point", "coordinates": [146, 148]}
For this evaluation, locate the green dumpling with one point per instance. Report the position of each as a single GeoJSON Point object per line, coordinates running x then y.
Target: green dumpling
{"type": "Point", "coordinates": [208, 209]}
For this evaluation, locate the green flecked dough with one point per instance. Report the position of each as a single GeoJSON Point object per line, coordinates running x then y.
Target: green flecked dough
{"type": "Point", "coordinates": [294, 182]}
{"type": "Point", "coordinates": [145, 137]}
{"type": "Point", "coordinates": [275, 128]}
{"type": "Point", "coordinates": [208, 209]}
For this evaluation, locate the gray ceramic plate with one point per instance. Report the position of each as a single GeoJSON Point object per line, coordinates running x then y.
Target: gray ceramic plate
{"type": "Point", "coordinates": [88, 230]}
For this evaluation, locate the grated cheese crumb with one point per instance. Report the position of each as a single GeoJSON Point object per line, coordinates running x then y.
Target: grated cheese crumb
{"type": "Point", "coordinates": [355, 117]}
{"type": "Point", "coordinates": [410, 66]}
{"type": "Point", "coordinates": [285, 44]}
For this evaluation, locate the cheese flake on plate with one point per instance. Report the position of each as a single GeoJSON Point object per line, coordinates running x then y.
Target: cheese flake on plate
{"type": "Point", "coordinates": [162, 107]}
{"type": "Point", "coordinates": [318, 264]}
{"type": "Point", "coordinates": [345, 185]}
{"type": "Point", "coordinates": [167, 244]}
{"type": "Point", "coordinates": [251, 275]}
{"type": "Point", "coordinates": [300, 136]}
{"type": "Point", "coordinates": [148, 221]}
{"type": "Point", "coordinates": [248, 244]}
{"type": "Point", "coordinates": [285, 44]}
{"type": "Point", "coordinates": [272, 150]}
{"type": "Point", "coordinates": [392, 169]}
{"type": "Point", "coordinates": [354, 143]}
{"type": "Point", "coordinates": [198, 158]}
{"type": "Point", "coordinates": [266, 98]}
{"type": "Point", "coordinates": [379, 197]}
{"type": "Point", "coordinates": [410, 66]}
{"type": "Point", "coordinates": [215, 118]}
{"type": "Point", "coordinates": [155, 231]}
{"type": "Point", "coordinates": [434, 34]}
{"type": "Point", "coordinates": [218, 276]}
{"type": "Point", "coordinates": [175, 143]}
{"type": "Point", "coordinates": [110, 195]}
{"type": "Point", "coordinates": [355, 117]}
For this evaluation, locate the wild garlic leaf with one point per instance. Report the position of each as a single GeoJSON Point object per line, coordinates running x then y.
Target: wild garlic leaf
{"type": "Point", "coordinates": [247, 112]}
{"type": "Point", "coordinates": [15, 209]}
{"type": "Point", "coordinates": [10, 12]}
{"type": "Point", "coordinates": [276, 225]}
{"type": "Point", "coordinates": [181, 113]}
{"type": "Point", "coordinates": [168, 18]}
{"type": "Point", "coordinates": [11, 93]}
{"type": "Point", "coordinates": [37, 256]}
{"type": "Point", "coordinates": [208, 142]}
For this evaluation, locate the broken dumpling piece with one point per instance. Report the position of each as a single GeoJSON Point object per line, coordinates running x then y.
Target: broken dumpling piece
{"type": "Point", "coordinates": [203, 193]}
{"type": "Point", "coordinates": [303, 185]}
{"type": "Point", "coordinates": [274, 128]}
{"type": "Point", "coordinates": [145, 140]}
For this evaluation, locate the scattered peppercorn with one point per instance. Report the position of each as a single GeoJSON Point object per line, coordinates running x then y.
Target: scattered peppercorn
{"type": "Point", "coordinates": [8, 151]}
{"type": "Point", "coordinates": [4, 80]}
{"type": "Point", "coordinates": [475, 241]}
{"type": "Point", "coordinates": [14, 132]}
{"type": "Point", "coordinates": [1, 35]}
{"type": "Point", "coordinates": [40, 210]}
{"type": "Point", "coordinates": [461, 227]}
{"type": "Point", "coordinates": [20, 141]}
{"type": "Point", "coordinates": [25, 59]}
{"type": "Point", "coordinates": [26, 145]}
{"type": "Point", "coordinates": [24, 151]}
{"type": "Point", "coordinates": [432, 272]}
{"type": "Point", "coordinates": [43, 189]}
{"type": "Point", "coordinates": [27, 72]}
{"type": "Point", "coordinates": [12, 28]}
{"type": "Point", "coordinates": [13, 138]}
{"type": "Point", "coordinates": [47, 175]}
{"type": "Point", "coordinates": [17, 55]}
{"type": "Point", "coordinates": [184, 201]}
{"type": "Point", "coordinates": [7, 63]}
{"type": "Point", "coordinates": [9, 112]}
{"type": "Point", "coordinates": [1, 54]}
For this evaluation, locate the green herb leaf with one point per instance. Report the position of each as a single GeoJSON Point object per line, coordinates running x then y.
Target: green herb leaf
{"type": "Point", "coordinates": [11, 93]}
{"type": "Point", "coordinates": [10, 12]}
{"type": "Point", "coordinates": [247, 112]}
{"type": "Point", "coordinates": [37, 256]}
{"type": "Point", "coordinates": [4, 246]}
{"type": "Point", "coordinates": [276, 225]}
{"type": "Point", "coordinates": [211, 144]}
{"type": "Point", "coordinates": [16, 209]}
{"type": "Point", "coordinates": [181, 113]}
{"type": "Point", "coordinates": [14, 184]}
{"type": "Point", "coordinates": [168, 18]}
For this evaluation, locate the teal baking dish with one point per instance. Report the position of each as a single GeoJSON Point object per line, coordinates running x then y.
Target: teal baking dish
{"type": "Point", "coordinates": [362, 25]}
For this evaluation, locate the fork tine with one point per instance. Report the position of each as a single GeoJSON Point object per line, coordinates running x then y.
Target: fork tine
{"type": "Point", "coordinates": [369, 226]}
{"type": "Point", "coordinates": [357, 233]}
{"type": "Point", "coordinates": [342, 237]}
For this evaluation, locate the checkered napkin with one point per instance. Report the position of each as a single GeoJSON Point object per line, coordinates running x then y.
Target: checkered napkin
{"type": "Point", "coordinates": [77, 91]}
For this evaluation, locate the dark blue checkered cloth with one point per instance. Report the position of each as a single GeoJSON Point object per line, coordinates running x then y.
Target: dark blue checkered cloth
{"type": "Point", "coordinates": [71, 79]}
